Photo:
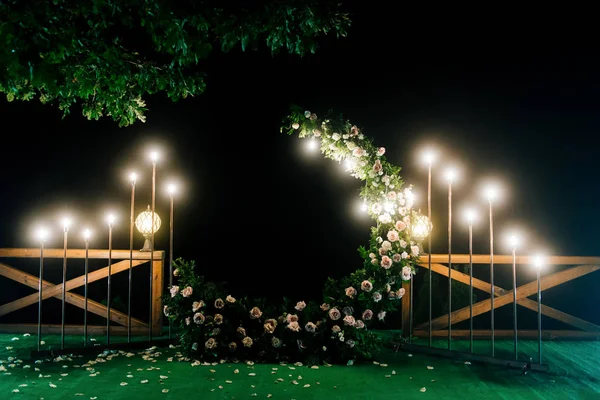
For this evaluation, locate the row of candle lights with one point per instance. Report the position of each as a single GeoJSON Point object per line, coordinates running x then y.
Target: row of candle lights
{"type": "Point", "coordinates": [421, 229]}
{"type": "Point", "coordinates": [147, 223]}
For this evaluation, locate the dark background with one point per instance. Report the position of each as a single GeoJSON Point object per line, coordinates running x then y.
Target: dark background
{"type": "Point", "coordinates": [518, 103]}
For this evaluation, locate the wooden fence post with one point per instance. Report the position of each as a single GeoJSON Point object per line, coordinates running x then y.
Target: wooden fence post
{"type": "Point", "coordinates": [406, 310]}
{"type": "Point", "coordinates": [157, 292]}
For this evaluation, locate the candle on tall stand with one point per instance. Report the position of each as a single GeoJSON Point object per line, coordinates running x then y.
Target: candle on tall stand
{"type": "Point", "coordinates": [66, 222]}
{"type": "Point", "coordinates": [86, 236]}
{"type": "Point", "coordinates": [42, 236]}
{"type": "Point", "coordinates": [514, 241]}
{"type": "Point", "coordinates": [410, 198]}
{"type": "Point", "coordinates": [450, 177]}
{"type": "Point", "coordinates": [132, 179]}
{"type": "Point", "coordinates": [111, 220]}
{"type": "Point", "coordinates": [154, 158]}
{"type": "Point", "coordinates": [429, 157]}
{"type": "Point", "coordinates": [171, 189]}
{"type": "Point", "coordinates": [491, 192]}
{"type": "Point", "coordinates": [538, 263]}
{"type": "Point", "coordinates": [470, 215]}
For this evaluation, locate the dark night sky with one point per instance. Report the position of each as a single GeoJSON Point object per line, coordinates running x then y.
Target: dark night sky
{"type": "Point", "coordinates": [260, 214]}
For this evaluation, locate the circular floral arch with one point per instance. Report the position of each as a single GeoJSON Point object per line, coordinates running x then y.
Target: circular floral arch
{"type": "Point", "coordinates": [215, 325]}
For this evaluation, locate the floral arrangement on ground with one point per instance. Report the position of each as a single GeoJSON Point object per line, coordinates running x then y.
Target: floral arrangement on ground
{"type": "Point", "coordinates": [215, 325]}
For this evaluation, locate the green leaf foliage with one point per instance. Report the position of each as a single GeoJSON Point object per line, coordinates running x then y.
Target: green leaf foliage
{"type": "Point", "coordinates": [105, 56]}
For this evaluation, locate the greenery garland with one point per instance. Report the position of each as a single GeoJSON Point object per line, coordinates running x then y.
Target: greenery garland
{"type": "Point", "coordinates": [218, 326]}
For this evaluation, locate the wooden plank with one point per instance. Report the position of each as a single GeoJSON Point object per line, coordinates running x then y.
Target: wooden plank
{"type": "Point", "coordinates": [157, 292]}
{"type": "Point", "coordinates": [527, 303]}
{"type": "Point", "coordinates": [501, 259]}
{"type": "Point", "coordinates": [508, 334]}
{"type": "Point", "coordinates": [80, 253]}
{"type": "Point", "coordinates": [55, 329]}
{"type": "Point", "coordinates": [406, 310]}
{"type": "Point", "coordinates": [523, 291]}
{"type": "Point", "coordinates": [51, 290]}
{"type": "Point", "coordinates": [464, 278]}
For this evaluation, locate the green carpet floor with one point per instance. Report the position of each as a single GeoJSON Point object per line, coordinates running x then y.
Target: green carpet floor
{"type": "Point", "coordinates": [158, 374]}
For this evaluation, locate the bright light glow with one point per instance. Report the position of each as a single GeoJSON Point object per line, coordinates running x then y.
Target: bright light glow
{"type": "Point", "coordinates": [42, 234]}
{"type": "Point", "coordinates": [451, 174]}
{"type": "Point", "coordinates": [154, 155]}
{"type": "Point", "coordinates": [410, 198]}
{"type": "Point", "coordinates": [66, 222]}
{"type": "Point", "coordinates": [133, 177]}
{"type": "Point", "coordinates": [491, 192]}
{"type": "Point", "coordinates": [349, 163]}
{"type": "Point", "coordinates": [87, 234]}
{"type": "Point", "coordinates": [364, 207]}
{"type": "Point", "coordinates": [110, 218]}
{"type": "Point", "coordinates": [538, 261]}
{"type": "Point", "coordinates": [421, 228]}
{"type": "Point", "coordinates": [311, 144]}
{"type": "Point", "coordinates": [470, 215]}
{"type": "Point", "coordinates": [429, 156]}
{"type": "Point", "coordinates": [514, 240]}
{"type": "Point", "coordinates": [171, 189]}
{"type": "Point", "coordinates": [388, 207]}
{"type": "Point", "coordinates": [143, 222]}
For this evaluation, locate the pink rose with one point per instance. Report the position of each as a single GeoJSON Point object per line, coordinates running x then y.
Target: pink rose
{"type": "Point", "coordinates": [366, 286]}
{"type": "Point", "coordinates": [197, 305]}
{"type": "Point", "coordinates": [219, 303]}
{"type": "Point", "coordinates": [350, 292]}
{"type": "Point", "coordinates": [294, 326]}
{"type": "Point", "coordinates": [187, 292]}
{"type": "Point", "coordinates": [300, 306]}
{"type": "Point", "coordinates": [400, 226]}
{"type": "Point", "coordinates": [255, 313]}
{"type": "Point", "coordinates": [386, 262]}
{"type": "Point", "coordinates": [334, 314]}
{"type": "Point", "coordinates": [367, 315]}
{"type": "Point", "coordinates": [349, 320]}
{"type": "Point", "coordinates": [199, 318]}
{"type": "Point", "coordinates": [393, 236]}
{"type": "Point", "coordinates": [291, 318]}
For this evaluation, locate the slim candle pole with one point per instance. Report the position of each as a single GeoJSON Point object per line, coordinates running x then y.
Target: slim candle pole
{"type": "Point", "coordinates": [85, 298]}
{"type": "Point", "coordinates": [539, 315]}
{"type": "Point", "coordinates": [150, 319]}
{"type": "Point", "coordinates": [131, 223]}
{"type": "Point", "coordinates": [429, 256]}
{"type": "Point", "coordinates": [171, 223]}
{"type": "Point", "coordinates": [450, 264]}
{"type": "Point", "coordinates": [514, 272]}
{"type": "Point", "coordinates": [64, 286]}
{"type": "Point", "coordinates": [410, 317]}
{"type": "Point", "coordinates": [492, 294]}
{"type": "Point", "coordinates": [110, 226]}
{"type": "Point", "coordinates": [471, 286]}
{"type": "Point", "coordinates": [40, 287]}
